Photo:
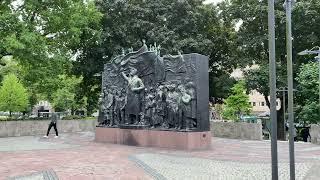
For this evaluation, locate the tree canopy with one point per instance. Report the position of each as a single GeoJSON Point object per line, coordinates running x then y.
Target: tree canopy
{"type": "Point", "coordinates": [186, 26]}
{"type": "Point", "coordinates": [237, 103]}
{"type": "Point", "coordinates": [44, 37]}
{"type": "Point", "coordinates": [8, 65]}
{"type": "Point", "coordinates": [13, 96]}
{"type": "Point", "coordinates": [308, 110]}
{"type": "Point", "coordinates": [252, 37]}
{"type": "Point", "coordinates": [252, 40]}
{"type": "Point", "coordinates": [65, 97]}
{"type": "Point", "coordinates": [58, 48]}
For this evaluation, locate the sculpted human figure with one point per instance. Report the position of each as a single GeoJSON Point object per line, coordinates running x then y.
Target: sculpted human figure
{"type": "Point", "coordinates": [109, 107]}
{"type": "Point", "coordinates": [172, 104]}
{"type": "Point", "coordinates": [184, 102]}
{"type": "Point", "coordinates": [104, 108]}
{"type": "Point", "coordinates": [101, 117]}
{"type": "Point", "coordinates": [134, 96]}
{"type": "Point", "coordinates": [158, 50]}
{"type": "Point", "coordinates": [191, 112]}
{"type": "Point", "coordinates": [119, 101]}
{"type": "Point", "coordinates": [150, 107]}
{"type": "Point", "coordinates": [122, 101]}
{"type": "Point", "coordinates": [161, 107]}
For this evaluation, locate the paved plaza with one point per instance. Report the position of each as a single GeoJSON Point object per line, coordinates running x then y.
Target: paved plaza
{"type": "Point", "coordinates": [76, 156]}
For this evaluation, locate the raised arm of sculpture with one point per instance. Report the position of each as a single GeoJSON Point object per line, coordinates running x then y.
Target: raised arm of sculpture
{"type": "Point", "coordinates": [125, 76]}
{"type": "Point", "coordinates": [123, 62]}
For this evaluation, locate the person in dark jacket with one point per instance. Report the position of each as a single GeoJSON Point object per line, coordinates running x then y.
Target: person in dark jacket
{"type": "Point", "coordinates": [53, 123]}
{"type": "Point", "coordinates": [305, 134]}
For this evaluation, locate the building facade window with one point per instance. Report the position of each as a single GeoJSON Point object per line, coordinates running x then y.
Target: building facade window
{"type": "Point", "coordinates": [262, 103]}
{"type": "Point", "coordinates": [253, 103]}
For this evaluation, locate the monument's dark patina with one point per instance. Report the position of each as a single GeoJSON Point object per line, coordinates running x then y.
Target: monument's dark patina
{"type": "Point", "coordinates": [143, 90]}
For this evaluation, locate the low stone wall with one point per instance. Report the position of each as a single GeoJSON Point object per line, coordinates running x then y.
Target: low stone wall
{"type": "Point", "coordinates": [236, 130]}
{"type": "Point", "coordinates": [39, 127]}
{"type": "Point", "coordinates": [315, 133]}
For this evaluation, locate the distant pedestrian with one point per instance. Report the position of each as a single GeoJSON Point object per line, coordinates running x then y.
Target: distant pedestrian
{"type": "Point", "coordinates": [53, 123]}
{"type": "Point", "coordinates": [305, 134]}
{"type": "Point", "coordinates": [295, 133]}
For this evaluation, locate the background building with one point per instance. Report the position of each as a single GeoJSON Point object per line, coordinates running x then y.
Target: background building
{"type": "Point", "coordinates": [42, 109]}
{"type": "Point", "coordinates": [256, 99]}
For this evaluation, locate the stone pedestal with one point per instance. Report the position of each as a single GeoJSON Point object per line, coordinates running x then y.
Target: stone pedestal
{"type": "Point", "coordinates": [154, 138]}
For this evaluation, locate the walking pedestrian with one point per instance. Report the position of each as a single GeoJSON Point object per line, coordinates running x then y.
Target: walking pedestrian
{"type": "Point", "coordinates": [53, 123]}
{"type": "Point", "coordinates": [295, 135]}
{"type": "Point", "coordinates": [305, 134]}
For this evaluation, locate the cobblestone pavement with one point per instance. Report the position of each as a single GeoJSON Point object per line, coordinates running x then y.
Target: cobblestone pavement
{"type": "Point", "coordinates": [77, 157]}
{"type": "Point", "coordinates": [71, 157]}
{"type": "Point", "coordinates": [172, 167]}
{"type": "Point", "coordinates": [43, 175]}
{"type": "Point", "coordinates": [29, 143]}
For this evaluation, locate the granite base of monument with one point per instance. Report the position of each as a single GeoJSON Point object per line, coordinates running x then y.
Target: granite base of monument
{"type": "Point", "coordinates": [154, 138]}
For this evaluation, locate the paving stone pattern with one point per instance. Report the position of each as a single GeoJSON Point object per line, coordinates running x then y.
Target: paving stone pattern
{"type": "Point", "coordinates": [31, 143]}
{"type": "Point", "coordinates": [76, 156]}
{"type": "Point", "coordinates": [43, 175]}
{"type": "Point", "coordinates": [173, 167]}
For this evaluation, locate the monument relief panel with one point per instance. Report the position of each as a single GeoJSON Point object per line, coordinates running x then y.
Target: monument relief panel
{"type": "Point", "coordinates": [142, 90]}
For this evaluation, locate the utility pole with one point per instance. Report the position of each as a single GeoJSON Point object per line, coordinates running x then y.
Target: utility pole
{"type": "Point", "coordinates": [284, 90]}
{"type": "Point", "coordinates": [272, 83]}
{"type": "Point", "coordinates": [290, 87]}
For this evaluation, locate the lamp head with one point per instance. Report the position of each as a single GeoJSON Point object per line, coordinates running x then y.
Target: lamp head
{"type": "Point", "coordinates": [315, 48]}
{"type": "Point", "coordinates": [305, 52]}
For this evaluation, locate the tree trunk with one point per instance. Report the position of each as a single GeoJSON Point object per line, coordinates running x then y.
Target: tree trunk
{"type": "Point", "coordinates": [280, 125]}
{"type": "Point", "coordinates": [280, 120]}
{"type": "Point", "coordinates": [10, 114]}
{"type": "Point", "coordinates": [267, 100]}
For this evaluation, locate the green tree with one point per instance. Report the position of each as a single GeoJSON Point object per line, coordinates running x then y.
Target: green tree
{"type": "Point", "coordinates": [237, 103]}
{"type": "Point", "coordinates": [187, 26]}
{"type": "Point", "coordinates": [7, 66]}
{"type": "Point", "coordinates": [220, 84]}
{"type": "Point", "coordinates": [65, 96]}
{"type": "Point", "coordinates": [45, 36]}
{"type": "Point", "coordinates": [63, 99]}
{"type": "Point", "coordinates": [34, 31]}
{"type": "Point", "coordinates": [309, 112]}
{"type": "Point", "coordinates": [308, 93]}
{"type": "Point", "coordinates": [252, 39]}
{"type": "Point", "coordinates": [13, 96]}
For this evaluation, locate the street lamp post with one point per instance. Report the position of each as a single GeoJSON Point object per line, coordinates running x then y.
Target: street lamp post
{"type": "Point", "coordinates": [272, 83]}
{"type": "Point", "coordinates": [288, 7]}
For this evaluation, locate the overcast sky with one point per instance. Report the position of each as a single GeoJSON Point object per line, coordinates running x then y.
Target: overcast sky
{"type": "Point", "coordinates": [212, 1]}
